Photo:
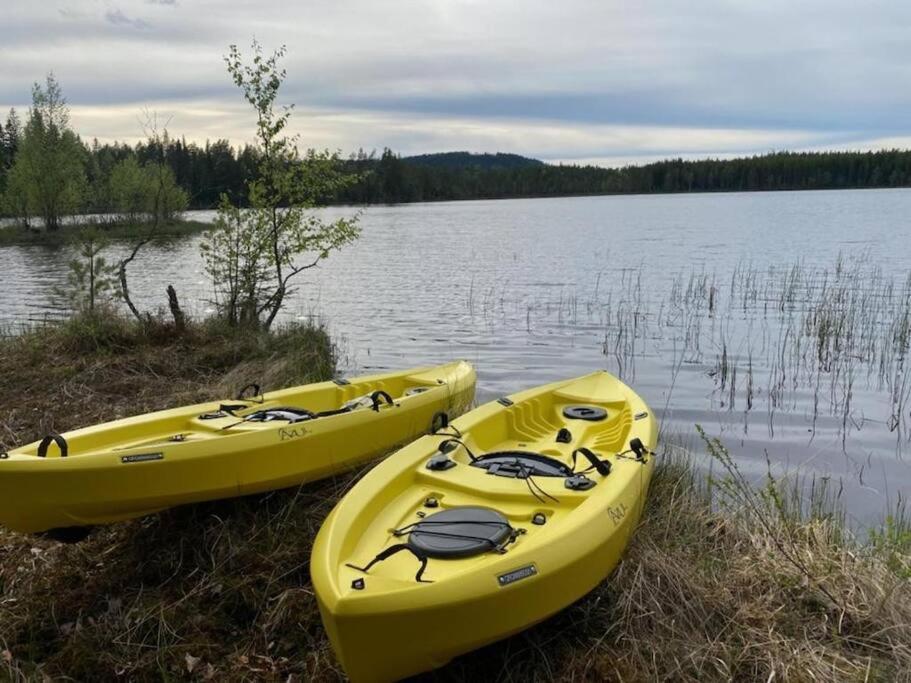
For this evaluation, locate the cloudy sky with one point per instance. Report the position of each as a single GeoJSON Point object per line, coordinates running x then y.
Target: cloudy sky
{"type": "Point", "coordinates": [599, 81]}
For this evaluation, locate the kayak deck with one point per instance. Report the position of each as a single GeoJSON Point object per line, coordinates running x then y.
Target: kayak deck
{"type": "Point", "coordinates": [142, 464]}
{"type": "Point", "coordinates": [522, 530]}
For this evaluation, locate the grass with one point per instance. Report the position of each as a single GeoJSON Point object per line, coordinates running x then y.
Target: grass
{"type": "Point", "coordinates": [722, 581]}
{"type": "Point", "coordinates": [103, 367]}
{"type": "Point", "coordinates": [17, 235]}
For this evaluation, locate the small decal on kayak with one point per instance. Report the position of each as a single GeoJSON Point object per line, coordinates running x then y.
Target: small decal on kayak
{"type": "Point", "coordinates": [142, 457]}
{"type": "Point", "coordinates": [642, 415]}
{"type": "Point", "coordinates": [296, 433]}
{"type": "Point", "coordinates": [617, 513]}
{"type": "Point", "coordinates": [517, 575]}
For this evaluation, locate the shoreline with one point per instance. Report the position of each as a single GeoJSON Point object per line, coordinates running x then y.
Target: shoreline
{"type": "Point", "coordinates": [186, 226]}
{"type": "Point", "coordinates": [16, 235]}
{"type": "Point", "coordinates": [720, 581]}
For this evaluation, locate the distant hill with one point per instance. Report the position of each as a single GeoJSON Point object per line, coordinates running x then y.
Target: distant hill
{"type": "Point", "coordinates": [469, 160]}
{"type": "Point", "coordinates": [460, 175]}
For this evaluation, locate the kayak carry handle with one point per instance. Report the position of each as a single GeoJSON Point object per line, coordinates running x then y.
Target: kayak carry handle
{"type": "Point", "coordinates": [48, 440]}
{"type": "Point", "coordinates": [601, 466]}
{"type": "Point", "coordinates": [439, 421]}
{"type": "Point", "coordinates": [377, 395]}
{"type": "Point", "coordinates": [389, 552]}
{"type": "Point", "coordinates": [256, 391]}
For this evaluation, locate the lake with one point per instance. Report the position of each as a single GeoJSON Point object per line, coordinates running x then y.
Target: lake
{"type": "Point", "coordinates": [778, 321]}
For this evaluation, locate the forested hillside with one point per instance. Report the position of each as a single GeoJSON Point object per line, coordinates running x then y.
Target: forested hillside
{"type": "Point", "coordinates": [205, 171]}
{"type": "Point", "coordinates": [394, 179]}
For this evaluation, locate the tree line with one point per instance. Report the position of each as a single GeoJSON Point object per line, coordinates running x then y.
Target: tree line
{"type": "Point", "coordinates": [47, 171]}
{"type": "Point", "coordinates": [264, 234]}
{"type": "Point", "coordinates": [390, 178]}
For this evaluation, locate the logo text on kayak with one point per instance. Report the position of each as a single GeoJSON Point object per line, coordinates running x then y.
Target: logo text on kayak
{"type": "Point", "coordinates": [617, 513]}
{"type": "Point", "coordinates": [293, 433]}
{"type": "Point", "coordinates": [517, 575]}
{"type": "Point", "coordinates": [141, 457]}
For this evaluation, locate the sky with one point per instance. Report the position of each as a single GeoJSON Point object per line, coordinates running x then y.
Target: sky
{"type": "Point", "coordinates": [571, 81]}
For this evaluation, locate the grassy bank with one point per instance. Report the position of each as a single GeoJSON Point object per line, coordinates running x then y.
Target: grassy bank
{"type": "Point", "coordinates": [16, 234]}
{"type": "Point", "coordinates": [721, 582]}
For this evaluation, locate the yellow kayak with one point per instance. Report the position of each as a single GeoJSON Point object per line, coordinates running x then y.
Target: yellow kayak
{"type": "Point", "coordinates": [499, 520]}
{"type": "Point", "coordinates": [143, 464]}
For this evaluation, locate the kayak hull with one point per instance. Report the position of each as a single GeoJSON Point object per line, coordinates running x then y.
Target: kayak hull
{"type": "Point", "coordinates": [140, 465]}
{"type": "Point", "coordinates": [391, 626]}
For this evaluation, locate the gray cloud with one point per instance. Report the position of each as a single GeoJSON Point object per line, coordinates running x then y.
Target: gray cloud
{"type": "Point", "coordinates": [592, 79]}
{"type": "Point", "coordinates": [118, 18]}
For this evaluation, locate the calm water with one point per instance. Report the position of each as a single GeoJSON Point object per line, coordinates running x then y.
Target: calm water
{"type": "Point", "coordinates": [686, 296]}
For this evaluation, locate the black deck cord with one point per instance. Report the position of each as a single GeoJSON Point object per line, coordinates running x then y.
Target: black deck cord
{"type": "Point", "coordinates": [404, 529]}
{"type": "Point", "coordinates": [48, 440]}
{"type": "Point", "coordinates": [462, 537]}
{"type": "Point", "coordinates": [461, 443]}
{"type": "Point", "coordinates": [529, 481]}
{"type": "Point", "coordinates": [440, 432]}
{"type": "Point", "coordinates": [234, 424]}
{"type": "Point", "coordinates": [377, 395]}
{"type": "Point", "coordinates": [389, 552]}
{"type": "Point", "coordinates": [408, 528]}
{"type": "Point", "coordinates": [602, 467]}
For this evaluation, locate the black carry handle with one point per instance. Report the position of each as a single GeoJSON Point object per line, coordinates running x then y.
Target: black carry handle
{"type": "Point", "coordinates": [637, 447]}
{"type": "Point", "coordinates": [256, 391]}
{"type": "Point", "coordinates": [601, 466]}
{"type": "Point", "coordinates": [392, 550]}
{"type": "Point", "coordinates": [377, 395]}
{"type": "Point", "coordinates": [458, 442]}
{"type": "Point", "coordinates": [439, 421]}
{"type": "Point", "coordinates": [48, 440]}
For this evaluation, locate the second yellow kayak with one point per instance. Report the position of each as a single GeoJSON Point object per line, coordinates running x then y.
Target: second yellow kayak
{"type": "Point", "coordinates": [510, 514]}
{"type": "Point", "coordinates": [143, 464]}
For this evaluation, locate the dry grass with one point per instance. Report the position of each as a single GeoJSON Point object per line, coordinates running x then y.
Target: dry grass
{"type": "Point", "coordinates": [711, 595]}
{"type": "Point", "coordinates": [716, 585]}
{"type": "Point", "coordinates": [91, 369]}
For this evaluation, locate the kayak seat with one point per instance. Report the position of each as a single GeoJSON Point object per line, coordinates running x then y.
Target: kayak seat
{"type": "Point", "coordinates": [456, 533]}
{"type": "Point", "coordinates": [292, 414]}
{"type": "Point", "coordinates": [281, 414]}
{"type": "Point", "coordinates": [460, 532]}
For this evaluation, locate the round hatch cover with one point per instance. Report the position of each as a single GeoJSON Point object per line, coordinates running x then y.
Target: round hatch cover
{"type": "Point", "coordinates": [460, 532]}
{"type": "Point", "coordinates": [590, 413]}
